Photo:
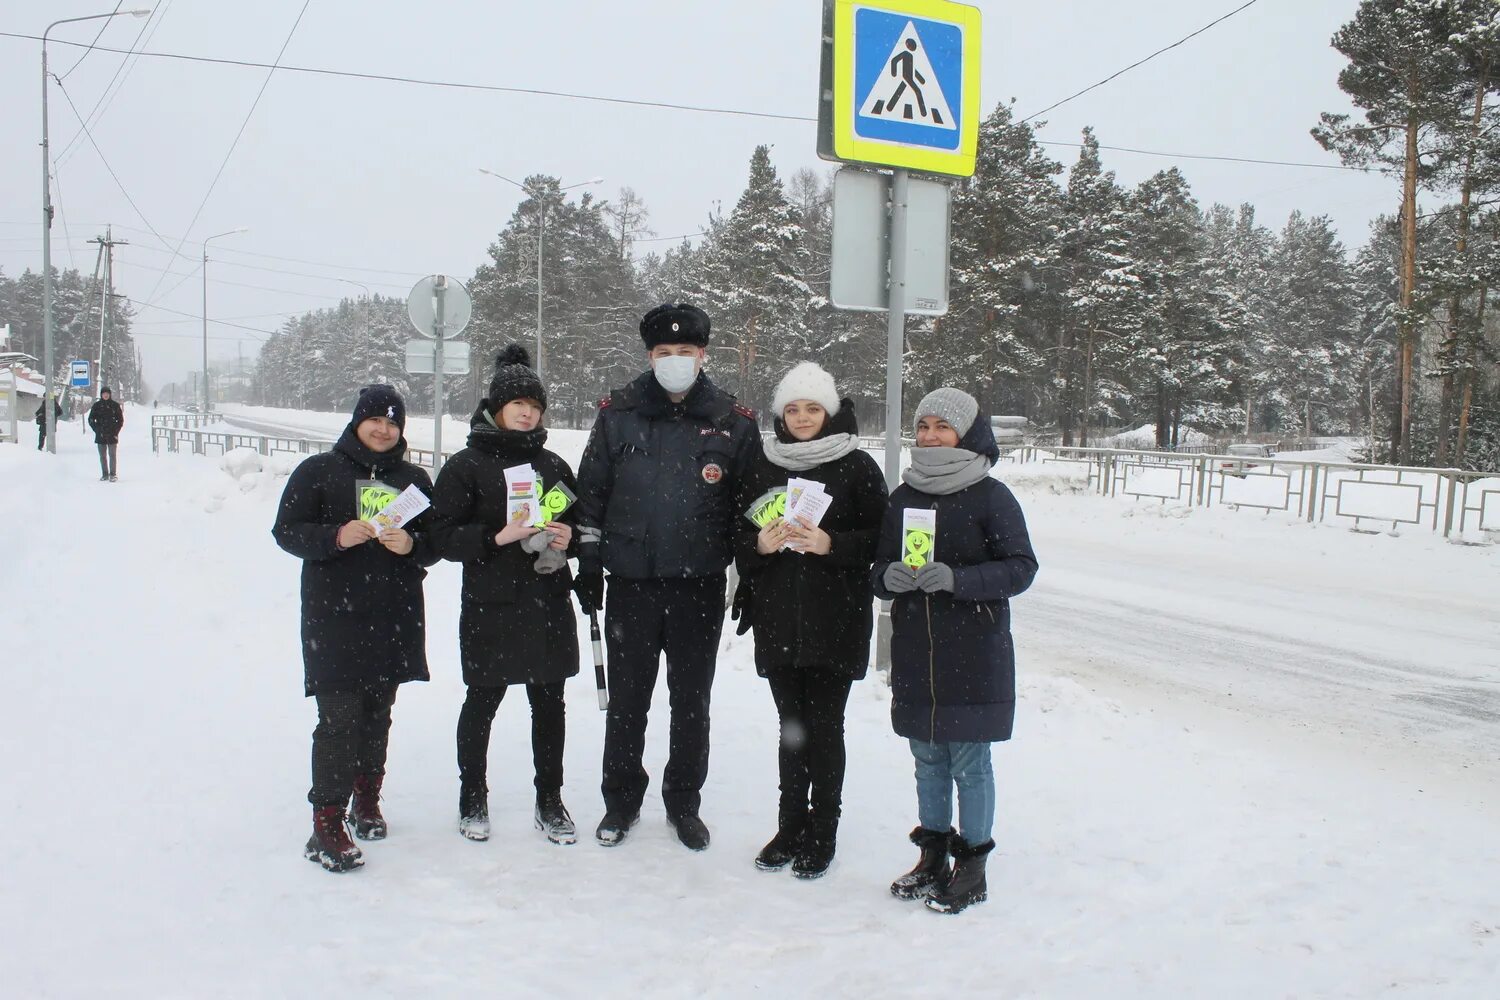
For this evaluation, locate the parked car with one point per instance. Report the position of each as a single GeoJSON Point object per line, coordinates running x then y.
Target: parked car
{"type": "Point", "coordinates": [1242, 456]}
{"type": "Point", "coordinates": [189, 407]}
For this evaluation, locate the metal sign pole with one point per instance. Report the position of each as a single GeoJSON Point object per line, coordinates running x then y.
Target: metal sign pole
{"type": "Point", "coordinates": [440, 291]}
{"type": "Point", "coordinates": [895, 327]}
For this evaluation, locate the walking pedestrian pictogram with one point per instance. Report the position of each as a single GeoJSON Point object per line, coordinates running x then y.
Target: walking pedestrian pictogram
{"type": "Point", "coordinates": [916, 96]}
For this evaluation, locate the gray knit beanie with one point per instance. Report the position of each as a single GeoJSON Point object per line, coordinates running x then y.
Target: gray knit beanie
{"type": "Point", "coordinates": [953, 405]}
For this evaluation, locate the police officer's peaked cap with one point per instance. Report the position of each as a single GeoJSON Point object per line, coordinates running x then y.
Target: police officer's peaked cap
{"type": "Point", "coordinates": [675, 323]}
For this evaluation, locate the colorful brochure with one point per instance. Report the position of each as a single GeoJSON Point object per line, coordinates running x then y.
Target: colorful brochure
{"type": "Point", "coordinates": [400, 511]}
{"type": "Point", "coordinates": [523, 496]}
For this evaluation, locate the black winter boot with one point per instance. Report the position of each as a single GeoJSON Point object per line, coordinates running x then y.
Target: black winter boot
{"type": "Point", "coordinates": [691, 830]}
{"type": "Point", "coordinates": [615, 827]}
{"type": "Point", "coordinates": [474, 810]}
{"type": "Point", "coordinates": [815, 853]}
{"type": "Point", "coordinates": [329, 844]}
{"type": "Point", "coordinates": [931, 869]}
{"type": "Point", "coordinates": [364, 811]}
{"type": "Point", "coordinates": [966, 886]}
{"type": "Point", "coordinates": [552, 818]}
{"type": "Point", "coordinates": [778, 853]}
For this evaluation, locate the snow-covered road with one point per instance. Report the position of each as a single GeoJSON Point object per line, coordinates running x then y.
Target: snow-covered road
{"type": "Point", "coordinates": [1252, 760]}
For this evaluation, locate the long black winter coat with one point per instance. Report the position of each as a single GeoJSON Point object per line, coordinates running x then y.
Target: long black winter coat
{"type": "Point", "coordinates": [106, 420]}
{"type": "Point", "coordinates": [41, 412]}
{"type": "Point", "coordinates": [516, 626]}
{"type": "Point", "coordinates": [953, 669]}
{"type": "Point", "coordinates": [363, 617]}
{"type": "Point", "coordinates": [657, 479]}
{"type": "Point", "coordinates": [810, 611]}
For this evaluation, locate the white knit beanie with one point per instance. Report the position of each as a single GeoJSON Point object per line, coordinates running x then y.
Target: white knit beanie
{"type": "Point", "coordinates": [806, 381]}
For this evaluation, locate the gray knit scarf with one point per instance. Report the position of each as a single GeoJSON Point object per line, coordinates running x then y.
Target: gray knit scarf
{"type": "Point", "coordinates": [799, 456]}
{"type": "Point", "coordinates": [940, 471]}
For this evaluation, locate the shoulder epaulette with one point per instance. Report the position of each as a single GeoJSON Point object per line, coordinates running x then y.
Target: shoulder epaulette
{"type": "Point", "coordinates": [604, 403]}
{"type": "Point", "coordinates": [744, 411]}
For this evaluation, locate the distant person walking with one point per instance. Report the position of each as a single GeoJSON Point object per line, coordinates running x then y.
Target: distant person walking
{"type": "Point", "coordinates": [106, 420]}
{"type": "Point", "coordinates": [41, 421]}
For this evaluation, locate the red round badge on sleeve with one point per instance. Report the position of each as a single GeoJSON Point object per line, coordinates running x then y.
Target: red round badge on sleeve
{"type": "Point", "coordinates": [712, 473]}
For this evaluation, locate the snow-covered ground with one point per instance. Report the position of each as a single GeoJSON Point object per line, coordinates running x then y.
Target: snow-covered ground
{"type": "Point", "coordinates": [1254, 758]}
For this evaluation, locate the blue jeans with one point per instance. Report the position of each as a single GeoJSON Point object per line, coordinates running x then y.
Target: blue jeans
{"type": "Point", "coordinates": [940, 766]}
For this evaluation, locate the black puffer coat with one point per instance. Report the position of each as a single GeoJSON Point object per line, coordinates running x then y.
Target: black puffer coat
{"type": "Point", "coordinates": [106, 419]}
{"type": "Point", "coordinates": [363, 617]}
{"type": "Point", "coordinates": [657, 479]}
{"type": "Point", "coordinates": [953, 669]}
{"type": "Point", "coordinates": [516, 626]}
{"type": "Point", "coordinates": [808, 611]}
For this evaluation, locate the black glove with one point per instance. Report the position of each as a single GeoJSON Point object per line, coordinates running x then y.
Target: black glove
{"type": "Point", "coordinates": [589, 586]}
{"type": "Point", "coordinates": [741, 607]}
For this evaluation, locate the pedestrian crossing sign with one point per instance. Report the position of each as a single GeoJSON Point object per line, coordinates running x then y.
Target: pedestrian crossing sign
{"type": "Point", "coordinates": [905, 84]}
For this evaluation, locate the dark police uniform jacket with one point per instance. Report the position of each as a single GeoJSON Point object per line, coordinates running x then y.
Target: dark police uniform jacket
{"type": "Point", "coordinates": [657, 479]}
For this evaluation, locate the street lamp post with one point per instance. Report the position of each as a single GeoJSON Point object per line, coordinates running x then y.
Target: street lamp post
{"type": "Point", "coordinates": [541, 230]}
{"type": "Point", "coordinates": [231, 232]}
{"type": "Point", "coordinates": [361, 284]}
{"type": "Point", "coordinates": [47, 359]}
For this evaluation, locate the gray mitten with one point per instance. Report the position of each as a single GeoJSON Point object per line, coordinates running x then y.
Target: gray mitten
{"type": "Point", "coordinates": [935, 576]}
{"type": "Point", "coordinates": [898, 579]}
{"type": "Point", "coordinates": [551, 560]}
{"type": "Point", "coordinates": [537, 542]}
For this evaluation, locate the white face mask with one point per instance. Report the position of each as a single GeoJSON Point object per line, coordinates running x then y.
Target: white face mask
{"type": "Point", "coordinates": [676, 374]}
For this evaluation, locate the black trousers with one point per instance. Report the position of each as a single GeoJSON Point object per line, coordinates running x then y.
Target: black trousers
{"type": "Point", "coordinates": [643, 620]}
{"type": "Point", "coordinates": [548, 728]}
{"type": "Point", "coordinates": [41, 436]}
{"type": "Point", "coordinates": [353, 732]}
{"type": "Point", "coordinates": [811, 706]}
{"type": "Point", "coordinates": [108, 453]}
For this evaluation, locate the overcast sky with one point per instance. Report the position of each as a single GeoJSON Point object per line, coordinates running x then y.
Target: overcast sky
{"type": "Point", "coordinates": [382, 179]}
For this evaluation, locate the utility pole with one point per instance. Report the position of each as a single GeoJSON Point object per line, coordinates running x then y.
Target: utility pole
{"type": "Point", "coordinates": [107, 244]}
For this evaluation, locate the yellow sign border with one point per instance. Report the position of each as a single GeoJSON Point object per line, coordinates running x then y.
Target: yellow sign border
{"type": "Point", "coordinates": [848, 146]}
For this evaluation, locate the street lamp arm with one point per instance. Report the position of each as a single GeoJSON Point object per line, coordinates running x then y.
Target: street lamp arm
{"type": "Point", "coordinates": [93, 17]}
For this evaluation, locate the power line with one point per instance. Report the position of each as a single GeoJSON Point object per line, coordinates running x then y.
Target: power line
{"type": "Point", "coordinates": [1140, 62]}
{"type": "Point", "coordinates": [1223, 159]}
{"type": "Point", "coordinates": [491, 88]}
{"type": "Point", "coordinates": [152, 23]}
{"type": "Point", "coordinates": [295, 274]}
{"type": "Point", "coordinates": [233, 145]}
{"type": "Point", "coordinates": [111, 169]}
{"type": "Point", "coordinates": [220, 322]}
{"type": "Point", "coordinates": [97, 36]}
{"type": "Point", "coordinates": [700, 109]}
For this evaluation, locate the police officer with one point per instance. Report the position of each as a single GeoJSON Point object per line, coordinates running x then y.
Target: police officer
{"type": "Point", "coordinates": [655, 496]}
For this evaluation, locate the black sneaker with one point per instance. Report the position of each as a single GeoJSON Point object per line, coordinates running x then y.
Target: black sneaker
{"type": "Point", "coordinates": [615, 827]}
{"type": "Point", "coordinates": [777, 854]}
{"type": "Point", "coordinates": [691, 831]}
{"type": "Point", "coordinates": [114, 479]}
{"type": "Point", "coordinates": [552, 818]}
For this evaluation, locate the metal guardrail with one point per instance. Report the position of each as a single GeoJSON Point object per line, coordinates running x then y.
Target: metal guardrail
{"type": "Point", "coordinates": [1441, 499]}
{"type": "Point", "coordinates": [165, 435]}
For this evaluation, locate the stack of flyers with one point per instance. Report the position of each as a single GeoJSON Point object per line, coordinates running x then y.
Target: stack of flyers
{"type": "Point", "coordinates": [399, 512]}
{"type": "Point", "coordinates": [807, 500]}
{"type": "Point", "coordinates": [523, 496]}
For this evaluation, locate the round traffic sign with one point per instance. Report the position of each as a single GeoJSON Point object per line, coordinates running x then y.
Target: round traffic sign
{"type": "Point", "coordinates": [421, 305]}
